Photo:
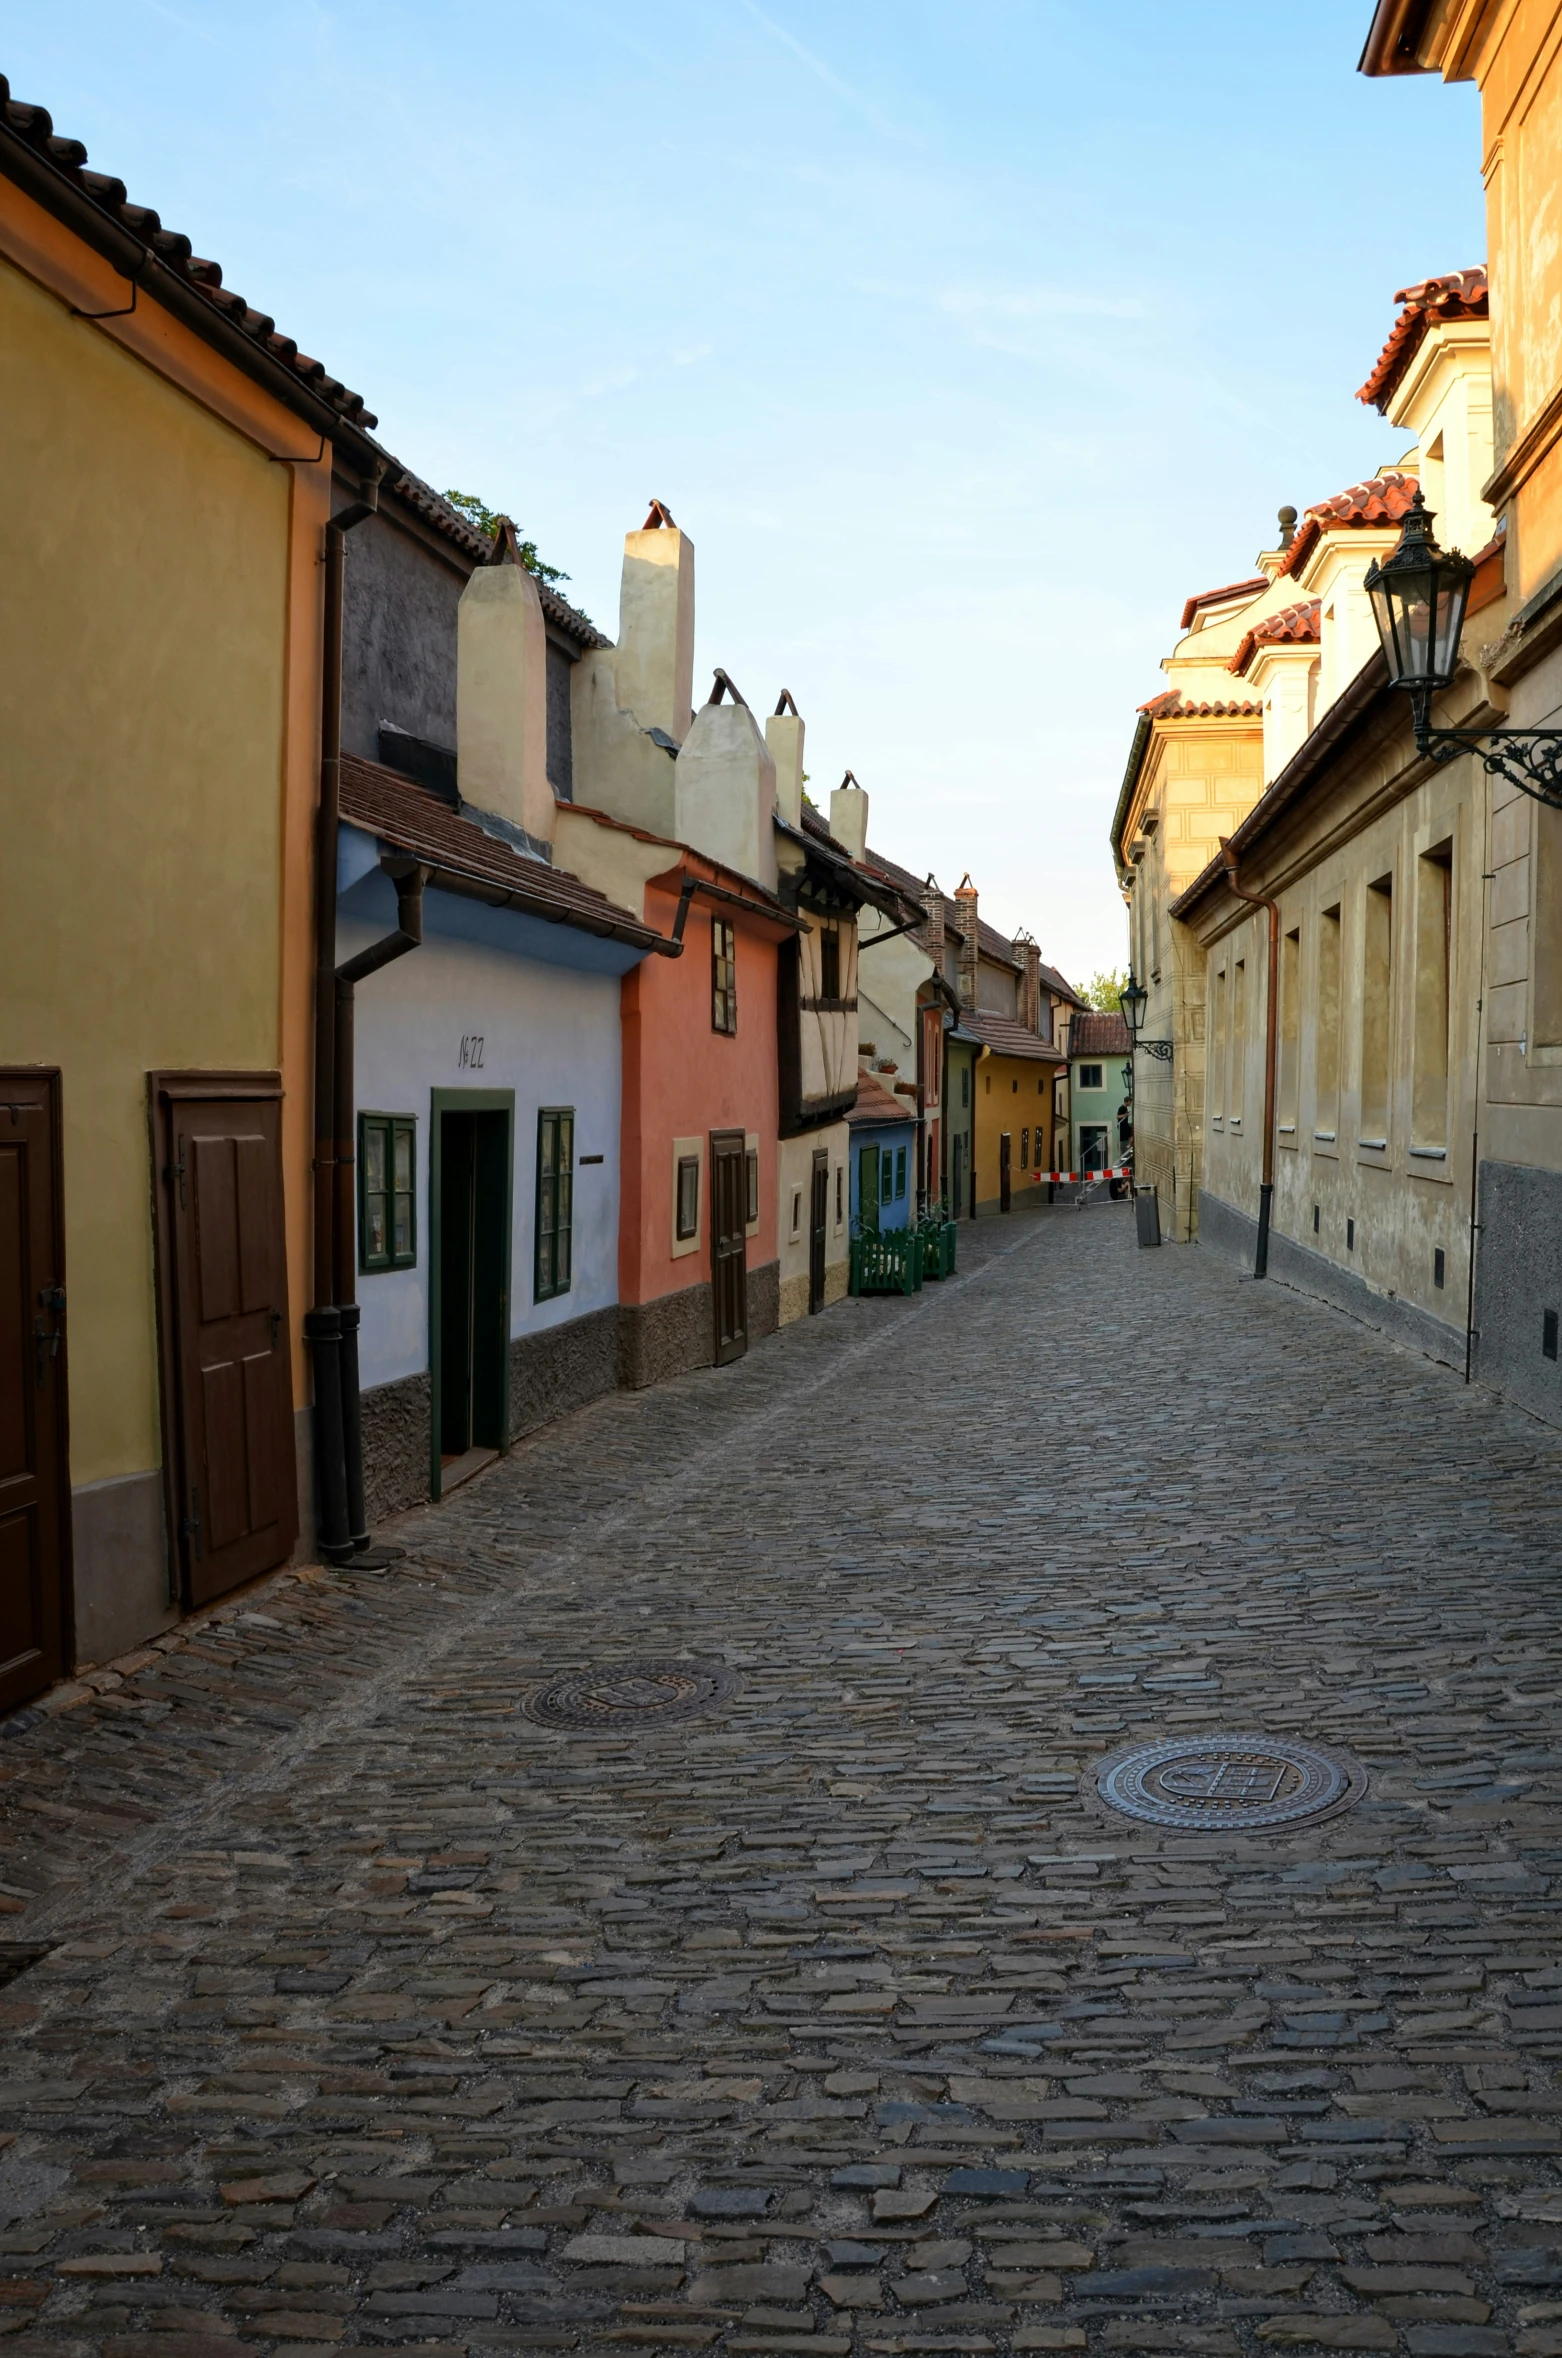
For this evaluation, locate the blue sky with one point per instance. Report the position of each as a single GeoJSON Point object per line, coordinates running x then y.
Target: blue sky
{"type": "Point", "coordinates": [965, 342]}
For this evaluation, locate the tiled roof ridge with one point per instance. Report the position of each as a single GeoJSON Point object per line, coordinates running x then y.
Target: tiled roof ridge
{"type": "Point", "coordinates": [1255, 583]}
{"type": "Point", "coordinates": [1098, 1031]}
{"type": "Point", "coordinates": [384, 802]}
{"type": "Point", "coordinates": [438, 511]}
{"type": "Point", "coordinates": [1382, 499]}
{"type": "Point", "coordinates": [33, 127]}
{"type": "Point", "coordinates": [1292, 626]}
{"type": "Point", "coordinates": [1458, 294]}
{"type": "Point", "coordinates": [1172, 705]}
{"type": "Point", "coordinates": [875, 1103]}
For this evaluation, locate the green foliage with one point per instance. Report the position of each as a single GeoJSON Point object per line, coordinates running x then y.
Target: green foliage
{"type": "Point", "coordinates": [1104, 989]}
{"type": "Point", "coordinates": [488, 520]}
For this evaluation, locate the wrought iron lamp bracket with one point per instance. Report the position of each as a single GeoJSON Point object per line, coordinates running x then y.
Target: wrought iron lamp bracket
{"type": "Point", "coordinates": [1161, 1050]}
{"type": "Point", "coordinates": [1530, 759]}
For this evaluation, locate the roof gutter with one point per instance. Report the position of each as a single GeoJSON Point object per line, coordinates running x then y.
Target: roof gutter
{"type": "Point", "coordinates": [144, 268]}
{"type": "Point", "coordinates": [501, 896]}
{"type": "Point", "coordinates": [1394, 37]}
{"type": "Point", "coordinates": [1136, 753]}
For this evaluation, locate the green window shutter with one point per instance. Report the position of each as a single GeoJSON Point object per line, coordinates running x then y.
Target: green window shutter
{"type": "Point", "coordinates": [555, 1200]}
{"type": "Point", "coordinates": [868, 1187]}
{"type": "Point", "coordinates": [900, 1172]}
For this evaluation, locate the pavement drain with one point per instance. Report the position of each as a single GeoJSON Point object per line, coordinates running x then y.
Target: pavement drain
{"type": "Point", "coordinates": [635, 1694]}
{"type": "Point", "coordinates": [1240, 1783]}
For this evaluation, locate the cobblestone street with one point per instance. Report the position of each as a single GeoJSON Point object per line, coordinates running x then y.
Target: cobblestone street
{"type": "Point", "coordinates": [846, 2017]}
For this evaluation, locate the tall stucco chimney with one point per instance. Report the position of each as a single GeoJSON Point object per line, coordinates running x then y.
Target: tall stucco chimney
{"type": "Point", "coordinates": [849, 817]}
{"type": "Point", "coordinates": [965, 919]}
{"type": "Point", "coordinates": [502, 693]}
{"type": "Point", "coordinates": [654, 660]}
{"type": "Point", "coordinates": [784, 736]}
{"type": "Point", "coordinates": [724, 787]}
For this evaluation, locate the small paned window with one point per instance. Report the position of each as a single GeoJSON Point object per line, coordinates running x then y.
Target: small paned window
{"type": "Point", "coordinates": [688, 1197]}
{"type": "Point", "coordinates": [723, 975]}
{"type": "Point", "coordinates": [829, 962]}
{"type": "Point", "coordinates": [840, 1194]}
{"type": "Point", "coordinates": [387, 1192]}
{"type": "Point", "coordinates": [900, 1173]}
{"type": "Point", "coordinates": [1024, 1150]}
{"type": "Point", "coordinates": [797, 1211]}
{"type": "Point", "coordinates": [751, 1160]}
{"type": "Point", "coordinates": [555, 1199]}
{"type": "Point", "coordinates": [1090, 1076]}
{"type": "Point", "coordinates": [886, 1177]}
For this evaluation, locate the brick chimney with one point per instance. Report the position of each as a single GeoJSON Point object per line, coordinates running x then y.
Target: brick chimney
{"type": "Point", "coordinates": [502, 694]}
{"type": "Point", "coordinates": [933, 903]}
{"type": "Point", "coordinates": [784, 736]}
{"type": "Point", "coordinates": [1027, 957]}
{"type": "Point", "coordinates": [654, 665]}
{"type": "Point", "coordinates": [965, 919]}
{"type": "Point", "coordinates": [849, 816]}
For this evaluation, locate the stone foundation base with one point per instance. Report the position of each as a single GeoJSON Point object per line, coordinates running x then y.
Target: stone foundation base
{"type": "Point", "coordinates": [1233, 1234]}
{"type": "Point", "coordinates": [677, 1332]}
{"type": "Point", "coordinates": [793, 1298]}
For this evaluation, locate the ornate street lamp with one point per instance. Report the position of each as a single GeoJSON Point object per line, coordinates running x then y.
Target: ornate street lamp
{"type": "Point", "coordinates": [1133, 999]}
{"type": "Point", "coordinates": [1419, 594]}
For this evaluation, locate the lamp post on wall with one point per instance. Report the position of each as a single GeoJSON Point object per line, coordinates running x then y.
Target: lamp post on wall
{"type": "Point", "coordinates": [1419, 595]}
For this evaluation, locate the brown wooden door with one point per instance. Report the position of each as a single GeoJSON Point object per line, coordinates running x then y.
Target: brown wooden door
{"type": "Point", "coordinates": [233, 1486]}
{"type": "Point", "coordinates": [818, 1223]}
{"type": "Point", "coordinates": [1005, 1173]}
{"type": "Point", "coordinates": [34, 1464]}
{"type": "Point", "coordinates": [729, 1243]}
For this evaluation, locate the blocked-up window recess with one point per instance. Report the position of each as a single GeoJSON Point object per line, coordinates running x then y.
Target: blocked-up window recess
{"type": "Point", "coordinates": [1548, 1333]}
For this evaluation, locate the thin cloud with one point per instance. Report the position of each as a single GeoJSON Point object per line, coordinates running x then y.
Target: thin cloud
{"type": "Point", "coordinates": [1037, 303]}
{"type": "Point", "coordinates": [822, 73]}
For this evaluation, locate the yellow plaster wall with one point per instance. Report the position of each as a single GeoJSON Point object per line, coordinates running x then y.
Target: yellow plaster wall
{"type": "Point", "coordinates": [144, 599]}
{"type": "Point", "coordinates": [1000, 1106]}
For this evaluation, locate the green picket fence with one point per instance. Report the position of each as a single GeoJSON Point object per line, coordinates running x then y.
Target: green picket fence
{"type": "Point", "coordinates": [938, 1247]}
{"type": "Point", "coordinates": [890, 1263]}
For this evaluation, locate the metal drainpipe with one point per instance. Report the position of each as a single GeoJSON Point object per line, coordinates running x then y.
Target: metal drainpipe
{"type": "Point", "coordinates": [322, 1323]}
{"type": "Point", "coordinates": [1266, 1189]}
{"type": "Point", "coordinates": [410, 877]}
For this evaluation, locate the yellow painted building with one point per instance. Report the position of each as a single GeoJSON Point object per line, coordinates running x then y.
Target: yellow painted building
{"type": "Point", "coordinates": [1512, 52]}
{"type": "Point", "coordinates": [167, 463]}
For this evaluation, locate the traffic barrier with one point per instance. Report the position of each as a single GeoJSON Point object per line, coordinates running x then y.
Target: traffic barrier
{"type": "Point", "coordinates": [1081, 1178]}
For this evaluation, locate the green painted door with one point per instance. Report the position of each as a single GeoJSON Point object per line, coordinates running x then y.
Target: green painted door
{"type": "Point", "coordinates": [868, 1189]}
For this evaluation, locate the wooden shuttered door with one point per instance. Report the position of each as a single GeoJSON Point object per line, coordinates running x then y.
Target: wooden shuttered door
{"type": "Point", "coordinates": [818, 1224]}
{"type": "Point", "coordinates": [227, 1382]}
{"type": "Point", "coordinates": [34, 1481]}
{"type": "Point", "coordinates": [729, 1242]}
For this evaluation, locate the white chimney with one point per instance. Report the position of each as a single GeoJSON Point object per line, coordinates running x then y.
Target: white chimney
{"type": "Point", "coordinates": [502, 694]}
{"type": "Point", "coordinates": [725, 788]}
{"type": "Point", "coordinates": [654, 663]}
{"type": "Point", "coordinates": [784, 736]}
{"type": "Point", "coordinates": [849, 816]}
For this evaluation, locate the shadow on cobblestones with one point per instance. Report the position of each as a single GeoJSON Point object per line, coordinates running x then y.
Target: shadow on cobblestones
{"type": "Point", "coordinates": [844, 2018]}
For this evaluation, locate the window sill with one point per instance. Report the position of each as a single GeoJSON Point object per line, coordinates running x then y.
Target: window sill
{"type": "Point", "coordinates": [1373, 1145]}
{"type": "Point", "coordinates": [1325, 1137]}
{"type": "Point", "coordinates": [1288, 1129]}
{"type": "Point", "coordinates": [1430, 1154]}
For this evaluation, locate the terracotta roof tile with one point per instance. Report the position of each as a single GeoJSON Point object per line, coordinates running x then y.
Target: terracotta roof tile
{"type": "Point", "coordinates": [1171, 705]}
{"type": "Point", "coordinates": [33, 127]}
{"type": "Point", "coordinates": [1005, 1037]}
{"type": "Point", "coordinates": [1293, 626]}
{"type": "Point", "coordinates": [1098, 1032]}
{"type": "Point", "coordinates": [410, 819]}
{"type": "Point", "coordinates": [875, 1104]}
{"type": "Point", "coordinates": [1382, 499]}
{"type": "Point", "coordinates": [1253, 587]}
{"type": "Point", "coordinates": [1461, 294]}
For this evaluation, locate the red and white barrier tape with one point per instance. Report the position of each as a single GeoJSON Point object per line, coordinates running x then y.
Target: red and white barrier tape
{"type": "Point", "coordinates": [1081, 1178]}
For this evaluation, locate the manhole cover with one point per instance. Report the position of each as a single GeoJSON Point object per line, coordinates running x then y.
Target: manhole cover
{"type": "Point", "coordinates": [1206, 1782]}
{"type": "Point", "coordinates": [630, 1695]}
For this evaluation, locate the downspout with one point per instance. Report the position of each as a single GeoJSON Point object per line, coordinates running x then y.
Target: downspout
{"type": "Point", "coordinates": [410, 876]}
{"type": "Point", "coordinates": [322, 1324]}
{"type": "Point", "coordinates": [1266, 1189]}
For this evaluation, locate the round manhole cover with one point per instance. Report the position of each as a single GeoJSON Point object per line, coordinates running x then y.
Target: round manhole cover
{"type": "Point", "coordinates": [629, 1695]}
{"type": "Point", "coordinates": [1203, 1783]}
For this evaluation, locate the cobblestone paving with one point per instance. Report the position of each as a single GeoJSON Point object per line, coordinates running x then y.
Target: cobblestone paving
{"type": "Point", "coordinates": [845, 2019]}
